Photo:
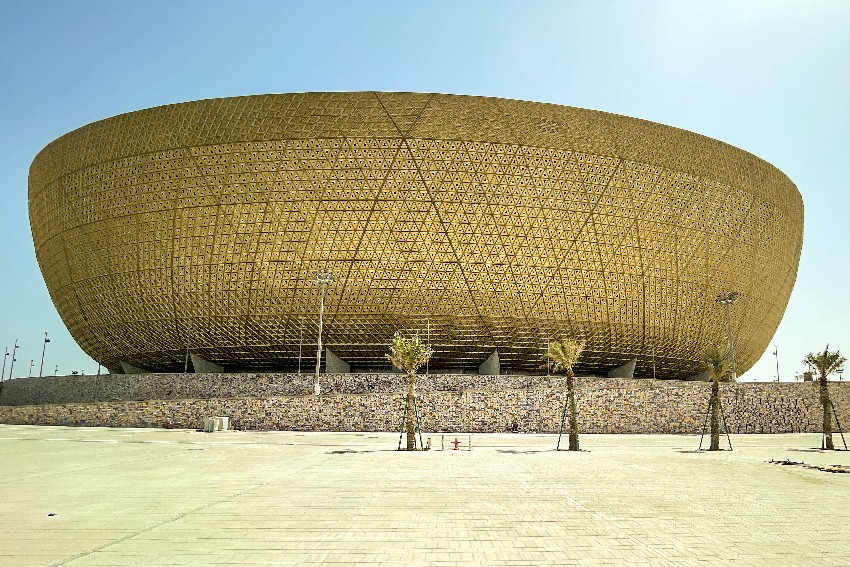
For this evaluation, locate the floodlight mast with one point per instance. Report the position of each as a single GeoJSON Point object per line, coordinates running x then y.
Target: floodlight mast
{"type": "Point", "coordinates": [776, 354]}
{"type": "Point", "coordinates": [300, 341]}
{"type": "Point", "coordinates": [324, 279]}
{"type": "Point", "coordinates": [3, 372]}
{"type": "Point", "coordinates": [14, 358]}
{"type": "Point", "coordinates": [43, 348]}
{"type": "Point", "coordinates": [727, 299]}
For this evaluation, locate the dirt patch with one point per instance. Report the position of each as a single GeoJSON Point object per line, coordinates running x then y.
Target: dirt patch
{"type": "Point", "coordinates": [824, 468]}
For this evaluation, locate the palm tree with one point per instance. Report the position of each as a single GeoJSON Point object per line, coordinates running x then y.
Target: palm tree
{"type": "Point", "coordinates": [409, 354]}
{"type": "Point", "coordinates": [717, 368]}
{"type": "Point", "coordinates": [564, 354]}
{"type": "Point", "coordinates": [826, 363]}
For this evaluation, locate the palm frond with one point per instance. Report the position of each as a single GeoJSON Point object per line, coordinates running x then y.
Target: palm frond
{"type": "Point", "coordinates": [564, 354]}
{"type": "Point", "coordinates": [409, 354]}
{"type": "Point", "coordinates": [715, 363]}
{"type": "Point", "coordinates": [825, 362]}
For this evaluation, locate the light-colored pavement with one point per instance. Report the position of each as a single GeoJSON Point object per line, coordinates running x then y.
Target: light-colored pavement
{"type": "Point", "coordinates": [158, 497]}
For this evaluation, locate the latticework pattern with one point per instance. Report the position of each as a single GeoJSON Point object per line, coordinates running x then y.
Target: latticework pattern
{"type": "Point", "coordinates": [492, 223]}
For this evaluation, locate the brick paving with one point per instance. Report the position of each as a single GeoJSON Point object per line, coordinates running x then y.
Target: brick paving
{"type": "Point", "coordinates": [180, 497]}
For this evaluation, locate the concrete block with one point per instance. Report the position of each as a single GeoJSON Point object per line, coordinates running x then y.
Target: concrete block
{"type": "Point", "coordinates": [216, 423]}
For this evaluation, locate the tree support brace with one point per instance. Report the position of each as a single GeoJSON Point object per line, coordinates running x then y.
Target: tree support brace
{"type": "Point", "coordinates": [563, 419]}
{"type": "Point", "coordinates": [404, 422]}
{"type": "Point", "coordinates": [722, 417]}
{"type": "Point", "coordinates": [840, 431]}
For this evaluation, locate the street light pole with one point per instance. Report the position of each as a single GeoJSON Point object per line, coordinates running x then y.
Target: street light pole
{"type": "Point", "coordinates": [776, 354]}
{"type": "Point", "coordinates": [727, 299]}
{"type": "Point", "coordinates": [324, 279]}
{"type": "Point", "coordinates": [3, 373]}
{"type": "Point", "coordinates": [300, 341]}
{"type": "Point", "coordinates": [12, 367]}
{"type": "Point", "coordinates": [429, 346]}
{"type": "Point", "coordinates": [185, 359]}
{"type": "Point", "coordinates": [653, 356]}
{"type": "Point", "coordinates": [43, 348]}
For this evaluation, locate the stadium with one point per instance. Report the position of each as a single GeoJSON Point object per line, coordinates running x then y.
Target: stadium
{"type": "Point", "coordinates": [195, 231]}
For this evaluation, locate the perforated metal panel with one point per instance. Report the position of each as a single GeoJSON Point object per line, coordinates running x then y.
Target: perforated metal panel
{"type": "Point", "coordinates": [496, 223]}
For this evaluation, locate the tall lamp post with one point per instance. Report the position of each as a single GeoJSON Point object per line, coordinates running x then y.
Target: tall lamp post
{"type": "Point", "coordinates": [12, 368]}
{"type": "Point", "coordinates": [776, 354]}
{"type": "Point", "coordinates": [43, 348]}
{"type": "Point", "coordinates": [653, 357]}
{"type": "Point", "coordinates": [300, 341]}
{"type": "Point", "coordinates": [727, 299]}
{"type": "Point", "coordinates": [324, 279]}
{"type": "Point", "coordinates": [185, 360]}
{"type": "Point", "coordinates": [3, 373]}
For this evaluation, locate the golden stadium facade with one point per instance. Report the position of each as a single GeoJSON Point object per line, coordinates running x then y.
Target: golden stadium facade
{"type": "Point", "coordinates": [489, 224]}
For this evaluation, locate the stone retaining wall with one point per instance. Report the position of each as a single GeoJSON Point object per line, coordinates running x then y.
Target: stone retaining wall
{"type": "Point", "coordinates": [445, 403]}
{"type": "Point", "coordinates": [121, 387]}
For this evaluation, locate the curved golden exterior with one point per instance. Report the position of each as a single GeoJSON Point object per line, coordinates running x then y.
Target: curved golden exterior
{"type": "Point", "coordinates": [490, 223]}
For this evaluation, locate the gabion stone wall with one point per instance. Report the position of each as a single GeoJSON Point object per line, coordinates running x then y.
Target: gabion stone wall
{"type": "Point", "coordinates": [492, 223]}
{"type": "Point", "coordinates": [446, 403]}
{"type": "Point", "coordinates": [115, 387]}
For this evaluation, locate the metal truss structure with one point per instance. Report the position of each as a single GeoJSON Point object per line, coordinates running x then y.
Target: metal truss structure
{"type": "Point", "coordinates": [494, 223]}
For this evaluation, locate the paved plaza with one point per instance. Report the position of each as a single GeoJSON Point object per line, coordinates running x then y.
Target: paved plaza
{"type": "Point", "coordinates": [94, 496]}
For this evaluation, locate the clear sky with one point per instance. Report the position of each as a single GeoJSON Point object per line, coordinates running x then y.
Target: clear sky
{"type": "Point", "coordinates": [771, 77]}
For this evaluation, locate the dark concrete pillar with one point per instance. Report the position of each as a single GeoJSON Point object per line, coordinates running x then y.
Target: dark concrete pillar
{"type": "Point", "coordinates": [202, 366]}
{"type": "Point", "coordinates": [625, 371]}
{"type": "Point", "coordinates": [491, 366]}
{"type": "Point", "coordinates": [334, 364]}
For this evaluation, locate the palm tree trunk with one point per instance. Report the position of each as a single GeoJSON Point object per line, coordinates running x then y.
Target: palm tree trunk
{"type": "Point", "coordinates": [714, 404]}
{"type": "Point", "coordinates": [410, 425]}
{"type": "Point", "coordinates": [573, 412]}
{"type": "Point", "coordinates": [827, 415]}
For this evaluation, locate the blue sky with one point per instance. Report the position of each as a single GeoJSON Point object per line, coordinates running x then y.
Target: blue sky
{"type": "Point", "coordinates": [770, 77]}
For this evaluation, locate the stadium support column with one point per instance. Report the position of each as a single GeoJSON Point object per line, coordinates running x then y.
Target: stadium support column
{"type": "Point", "coordinates": [202, 366]}
{"type": "Point", "coordinates": [627, 370]}
{"type": "Point", "coordinates": [334, 364]}
{"type": "Point", "coordinates": [491, 366]}
{"type": "Point", "coordinates": [128, 368]}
